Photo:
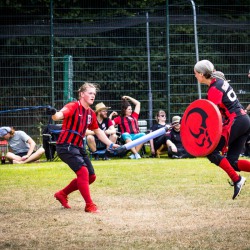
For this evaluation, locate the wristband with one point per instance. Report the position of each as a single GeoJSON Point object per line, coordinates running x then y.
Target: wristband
{"type": "Point", "coordinates": [111, 146]}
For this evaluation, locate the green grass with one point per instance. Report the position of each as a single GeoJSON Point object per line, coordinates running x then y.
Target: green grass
{"type": "Point", "coordinates": [145, 204]}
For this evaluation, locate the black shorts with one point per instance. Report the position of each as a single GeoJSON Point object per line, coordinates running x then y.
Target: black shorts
{"type": "Point", "coordinates": [161, 140]}
{"type": "Point", "coordinates": [75, 157]}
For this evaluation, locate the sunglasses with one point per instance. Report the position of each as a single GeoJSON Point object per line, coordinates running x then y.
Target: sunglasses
{"type": "Point", "coordinates": [162, 115]}
{"type": "Point", "coordinates": [175, 124]}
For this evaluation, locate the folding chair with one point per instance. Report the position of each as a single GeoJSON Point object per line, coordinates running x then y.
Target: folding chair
{"type": "Point", "coordinates": [50, 136]}
{"type": "Point", "coordinates": [100, 150]}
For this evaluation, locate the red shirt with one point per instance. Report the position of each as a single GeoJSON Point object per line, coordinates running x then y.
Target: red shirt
{"type": "Point", "coordinates": [128, 124]}
{"type": "Point", "coordinates": [75, 123]}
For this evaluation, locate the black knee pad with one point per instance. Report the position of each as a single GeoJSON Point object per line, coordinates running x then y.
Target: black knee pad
{"type": "Point", "coordinates": [234, 164]}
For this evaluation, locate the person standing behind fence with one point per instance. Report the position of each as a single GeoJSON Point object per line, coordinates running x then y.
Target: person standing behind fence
{"type": "Point", "coordinates": [21, 145]}
{"type": "Point", "coordinates": [128, 124]}
{"type": "Point", "coordinates": [77, 116]}
{"type": "Point", "coordinates": [236, 123]}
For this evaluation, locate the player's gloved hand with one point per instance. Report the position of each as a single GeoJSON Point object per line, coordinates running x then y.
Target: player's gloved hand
{"type": "Point", "coordinates": [50, 110]}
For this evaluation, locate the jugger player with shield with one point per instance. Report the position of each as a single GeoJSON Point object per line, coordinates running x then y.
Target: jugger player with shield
{"type": "Point", "coordinates": [235, 128]}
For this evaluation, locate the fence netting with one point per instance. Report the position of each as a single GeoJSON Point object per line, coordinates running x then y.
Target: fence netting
{"type": "Point", "coordinates": [147, 53]}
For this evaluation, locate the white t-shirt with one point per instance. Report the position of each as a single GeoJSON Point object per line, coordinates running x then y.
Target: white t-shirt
{"type": "Point", "coordinates": [18, 143]}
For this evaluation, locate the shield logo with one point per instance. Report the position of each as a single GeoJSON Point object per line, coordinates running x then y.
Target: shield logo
{"type": "Point", "coordinates": [201, 127]}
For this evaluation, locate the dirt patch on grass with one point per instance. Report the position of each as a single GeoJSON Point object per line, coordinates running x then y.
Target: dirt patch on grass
{"type": "Point", "coordinates": [142, 214]}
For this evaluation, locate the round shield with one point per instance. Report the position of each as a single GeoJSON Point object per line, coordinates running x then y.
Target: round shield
{"type": "Point", "coordinates": [201, 127]}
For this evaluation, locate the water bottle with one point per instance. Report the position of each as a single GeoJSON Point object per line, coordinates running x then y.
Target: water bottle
{"type": "Point", "coordinates": [3, 158]}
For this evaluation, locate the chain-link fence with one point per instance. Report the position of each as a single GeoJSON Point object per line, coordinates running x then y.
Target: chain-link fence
{"type": "Point", "coordinates": [147, 53]}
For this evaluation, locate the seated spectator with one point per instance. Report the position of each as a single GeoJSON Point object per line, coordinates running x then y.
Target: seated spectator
{"type": "Point", "coordinates": [104, 124]}
{"type": "Point", "coordinates": [174, 143]}
{"type": "Point", "coordinates": [22, 146]}
{"type": "Point", "coordinates": [159, 143]}
{"type": "Point", "coordinates": [128, 124]}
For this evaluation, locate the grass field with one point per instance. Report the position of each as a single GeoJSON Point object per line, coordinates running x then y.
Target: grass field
{"type": "Point", "coordinates": [145, 204]}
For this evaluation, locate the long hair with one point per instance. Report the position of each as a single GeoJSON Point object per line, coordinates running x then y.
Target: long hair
{"type": "Point", "coordinates": [124, 105]}
{"type": "Point", "coordinates": [158, 113]}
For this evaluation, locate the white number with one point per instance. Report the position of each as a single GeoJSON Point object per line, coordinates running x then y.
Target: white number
{"type": "Point", "coordinates": [231, 95]}
{"type": "Point", "coordinates": [225, 86]}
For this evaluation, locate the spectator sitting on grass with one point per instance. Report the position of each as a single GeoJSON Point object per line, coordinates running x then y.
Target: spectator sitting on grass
{"type": "Point", "coordinates": [22, 146]}
{"type": "Point", "coordinates": [174, 143]}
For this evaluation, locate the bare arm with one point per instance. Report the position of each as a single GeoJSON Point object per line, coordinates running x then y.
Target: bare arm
{"type": "Point", "coordinates": [102, 137]}
{"type": "Point", "coordinates": [111, 130]}
{"type": "Point", "coordinates": [247, 108]}
{"type": "Point", "coordinates": [114, 113]}
{"type": "Point", "coordinates": [31, 149]}
{"type": "Point", "coordinates": [90, 132]}
{"type": "Point", "coordinates": [172, 145]}
{"type": "Point", "coordinates": [58, 116]}
{"type": "Point", "coordinates": [137, 104]}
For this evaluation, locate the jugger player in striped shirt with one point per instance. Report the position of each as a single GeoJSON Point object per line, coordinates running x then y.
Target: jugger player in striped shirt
{"type": "Point", "coordinates": [77, 116]}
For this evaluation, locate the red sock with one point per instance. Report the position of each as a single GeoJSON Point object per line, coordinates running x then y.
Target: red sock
{"type": "Point", "coordinates": [226, 166]}
{"type": "Point", "coordinates": [244, 165]}
{"type": "Point", "coordinates": [83, 183]}
{"type": "Point", "coordinates": [92, 178]}
{"type": "Point", "coordinates": [71, 187]}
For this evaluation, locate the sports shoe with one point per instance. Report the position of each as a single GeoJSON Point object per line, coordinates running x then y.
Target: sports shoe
{"type": "Point", "coordinates": [238, 186]}
{"type": "Point", "coordinates": [132, 156]}
{"type": "Point", "coordinates": [175, 157]}
{"type": "Point", "coordinates": [62, 198]}
{"type": "Point", "coordinates": [137, 156]}
{"type": "Point", "coordinates": [105, 158]}
{"type": "Point", "coordinates": [91, 208]}
{"type": "Point", "coordinates": [96, 156]}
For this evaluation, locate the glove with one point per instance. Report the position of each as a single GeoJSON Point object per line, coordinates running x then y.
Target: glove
{"type": "Point", "coordinates": [50, 110]}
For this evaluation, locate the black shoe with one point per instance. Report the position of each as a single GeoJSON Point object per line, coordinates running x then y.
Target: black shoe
{"type": "Point", "coordinates": [96, 157]}
{"type": "Point", "coordinates": [238, 186]}
{"type": "Point", "coordinates": [175, 157]}
{"type": "Point", "coordinates": [105, 158]}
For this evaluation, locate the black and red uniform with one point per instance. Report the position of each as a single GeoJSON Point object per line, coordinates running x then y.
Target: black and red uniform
{"type": "Point", "coordinates": [128, 124]}
{"type": "Point", "coordinates": [70, 142]}
{"type": "Point", "coordinates": [236, 124]}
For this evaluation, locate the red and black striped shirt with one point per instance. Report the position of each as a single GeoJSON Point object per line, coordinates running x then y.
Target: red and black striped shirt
{"type": "Point", "coordinates": [128, 124]}
{"type": "Point", "coordinates": [76, 120]}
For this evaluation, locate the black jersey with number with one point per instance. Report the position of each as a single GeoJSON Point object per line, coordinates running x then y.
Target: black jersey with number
{"type": "Point", "coordinates": [222, 94]}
